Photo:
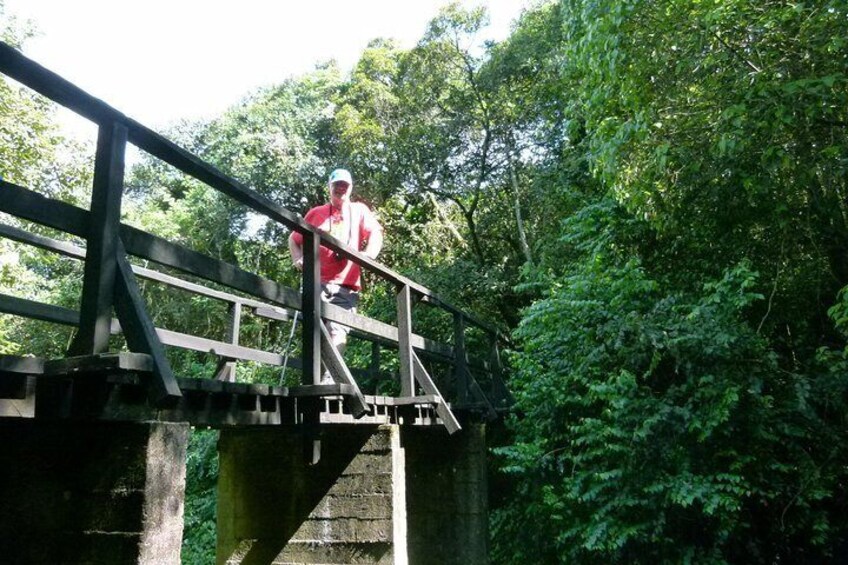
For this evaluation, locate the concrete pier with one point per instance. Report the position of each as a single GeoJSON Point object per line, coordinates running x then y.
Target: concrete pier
{"type": "Point", "coordinates": [385, 494]}
{"type": "Point", "coordinates": [91, 492]}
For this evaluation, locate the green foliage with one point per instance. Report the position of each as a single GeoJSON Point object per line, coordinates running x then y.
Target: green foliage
{"type": "Point", "coordinates": [680, 383]}
{"type": "Point", "coordinates": [201, 501]}
{"type": "Point", "coordinates": [657, 426]}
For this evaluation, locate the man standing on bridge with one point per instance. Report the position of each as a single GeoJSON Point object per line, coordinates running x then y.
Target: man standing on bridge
{"type": "Point", "coordinates": [352, 223]}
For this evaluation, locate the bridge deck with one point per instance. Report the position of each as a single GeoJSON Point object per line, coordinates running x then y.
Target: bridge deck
{"type": "Point", "coordinates": [113, 387]}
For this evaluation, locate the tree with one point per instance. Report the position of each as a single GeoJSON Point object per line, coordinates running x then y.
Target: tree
{"type": "Point", "coordinates": [680, 371]}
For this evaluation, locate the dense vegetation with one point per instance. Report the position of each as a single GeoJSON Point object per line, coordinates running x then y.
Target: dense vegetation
{"type": "Point", "coordinates": [650, 196]}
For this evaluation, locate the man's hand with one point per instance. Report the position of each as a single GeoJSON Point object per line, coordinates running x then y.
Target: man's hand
{"type": "Point", "coordinates": [296, 253]}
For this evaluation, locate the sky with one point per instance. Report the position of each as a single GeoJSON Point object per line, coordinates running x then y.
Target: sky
{"type": "Point", "coordinates": [159, 61]}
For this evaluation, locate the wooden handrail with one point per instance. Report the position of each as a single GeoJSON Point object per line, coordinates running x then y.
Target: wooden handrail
{"type": "Point", "coordinates": [29, 73]}
{"type": "Point", "coordinates": [110, 278]}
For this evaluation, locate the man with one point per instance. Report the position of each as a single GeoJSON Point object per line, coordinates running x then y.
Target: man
{"type": "Point", "coordinates": [352, 223]}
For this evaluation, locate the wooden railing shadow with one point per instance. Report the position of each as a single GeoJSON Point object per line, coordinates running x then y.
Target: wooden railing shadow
{"type": "Point", "coordinates": [110, 280]}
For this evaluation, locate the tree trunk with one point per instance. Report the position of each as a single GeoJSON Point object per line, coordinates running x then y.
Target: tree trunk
{"type": "Point", "coordinates": [519, 220]}
{"type": "Point", "coordinates": [446, 221]}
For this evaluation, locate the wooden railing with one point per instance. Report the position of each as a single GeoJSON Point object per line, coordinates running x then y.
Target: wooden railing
{"type": "Point", "coordinates": [110, 279]}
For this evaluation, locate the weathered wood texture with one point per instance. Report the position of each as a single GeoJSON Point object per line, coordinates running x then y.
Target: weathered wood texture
{"type": "Point", "coordinates": [140, 333]}
{"type": "Point", "coordinates": [101, 250]}
{"type": "Point", "coordinates": [338, 369]}
{"type": "Point", "coordinates": [311, 311]}
{"type": "Point", "coordinates": [404, 318]}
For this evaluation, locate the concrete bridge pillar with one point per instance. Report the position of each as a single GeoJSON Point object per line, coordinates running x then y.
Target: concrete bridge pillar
{"type": "Point", "coordinates": [385, 494]}
{"type": "Point", "coordinates": [91, 492]}
{"type": "Point", "coordinates": [446, 495]}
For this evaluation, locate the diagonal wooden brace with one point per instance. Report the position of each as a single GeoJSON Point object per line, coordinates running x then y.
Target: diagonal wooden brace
{"type": "Point", "coordinates": [338, 369]}
{"type": "Point", "coordinates": [477, 391]}
{"type": "Point", "coordinates": [140, 333]}
{"type": "Point", "coordinates": [429, 387]}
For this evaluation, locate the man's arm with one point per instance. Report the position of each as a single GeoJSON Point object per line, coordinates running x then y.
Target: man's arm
{"type": "Point", "coordinates": [375, 243]}
{"type": "Point", "coordinates": [296, 253]}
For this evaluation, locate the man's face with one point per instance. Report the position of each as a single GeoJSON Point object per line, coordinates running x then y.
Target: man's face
{"type": "Point", "coordinates": [340, 193]}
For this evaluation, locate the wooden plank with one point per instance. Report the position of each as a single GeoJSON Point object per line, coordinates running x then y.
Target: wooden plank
{"type": "Point", "coordinates": [21, 365]}
{"type": "Point", "coordinates": [100, 363]}
{"type": "Point", "coordinates": [101, 249]}
{"type": "Point", "coordinates": [194, 288]}
{"type": "Point", "coordinates": [29, 205]}
{"type": "Point", "coordinates": [211, 386]}
{"type": "Point", "coordinates": [309, 391]}
{"type": "Point", "coordinates": [273, 313]}
{"type": "Point", "coordinates": [66, 316]}
{"type": "Point", "coordinates": [258, 389]}
{"type": "Point", "coordinates": [141, 334]}
{"type": "Point", "coordinates": [76, 252]}
{"type": "Point", "coordinates": [311, 311]}
{"type": "Point", "coordinates": [60, 247]}
{"type": "Point", "coordinates": [236, 388]}
{"type": "Point", "coordinates": [338, 369]}
{"type": "Point", "coordinates": [221, 348]}
{"type": "Point", "coordinates": [38, 311]}
{"type": "Point", "coordinates": [188, 384]}
{"type": "Point", "coordinates": [147, 246]}
{"type": "Point", "coordinates": [405, 354]}
{"type": "Point", "coordinates": [370, 329]}
{"type": "Point", "coordinates": [406, 401]}
{"type": "Point", "coordinates": [429, 387]}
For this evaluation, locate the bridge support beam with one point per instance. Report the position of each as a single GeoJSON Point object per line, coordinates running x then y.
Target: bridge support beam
{"type": "Point", "coordinates": [91, 492]}
{"type": "Point", "coordinates": [387, 494]}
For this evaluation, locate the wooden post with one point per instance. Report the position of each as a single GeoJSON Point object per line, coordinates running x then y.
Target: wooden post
{"type": "Point", "coordinates": [100, 262]}
{"type": "Point", "coordinates": [311, 328]}
{"type": "Point", "coordinates": [500, 392]}
{"type": "Point", "coordinates": [374, 368]}
{"type": "Point", "coordinates": [460, 361]}
{"type": "Point", "coordinates": [227, 366]}
{"type": "Point", "coordinates": [404, 321]}
{"type": "Point", "coordinates": [311, 309]}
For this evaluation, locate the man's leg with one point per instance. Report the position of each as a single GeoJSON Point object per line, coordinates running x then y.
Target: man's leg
{"type": "Point", "coordinates": [347, 299]}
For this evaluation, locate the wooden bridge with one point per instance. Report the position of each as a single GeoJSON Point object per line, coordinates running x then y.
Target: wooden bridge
{"type": "Point", "coordinates": [95, 385]}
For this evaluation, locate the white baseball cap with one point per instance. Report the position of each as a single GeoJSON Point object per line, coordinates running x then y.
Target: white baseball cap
{"type": "Point", "coordinates": [341, 175]}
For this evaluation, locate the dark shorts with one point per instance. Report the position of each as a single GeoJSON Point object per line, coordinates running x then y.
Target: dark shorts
{"type": "Point", "coordinates": [343, 297]}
